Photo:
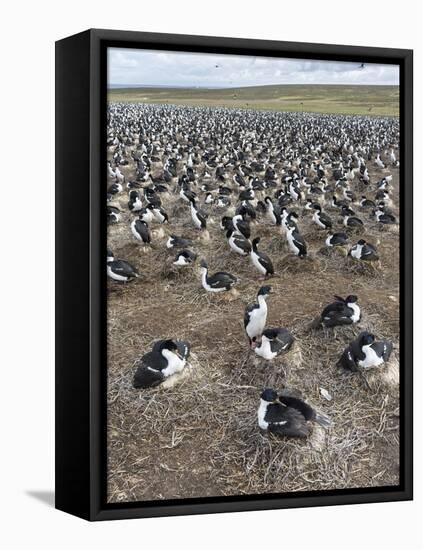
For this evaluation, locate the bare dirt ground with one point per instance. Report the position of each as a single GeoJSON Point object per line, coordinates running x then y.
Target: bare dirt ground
{"type": "Point", "coordinates": [200, 438]}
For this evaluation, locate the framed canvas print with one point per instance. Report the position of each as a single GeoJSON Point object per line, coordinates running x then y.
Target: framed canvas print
{"type": "Point", "coordinates": [234, 274]}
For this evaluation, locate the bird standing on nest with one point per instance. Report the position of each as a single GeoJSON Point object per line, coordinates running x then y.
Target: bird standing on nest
{"type": "Point", "coordinates": [320, 218]}
{"type": "Point", "coordinates": [255, 316]}
{"type": "Point", "coordinates": [199, 218]}
{"type": "Point", "coordinates": [261, 260]}
{"type": "Point", "coordinates": [238, 242]}
{"type": "Point", "coordinates": [296, 242]}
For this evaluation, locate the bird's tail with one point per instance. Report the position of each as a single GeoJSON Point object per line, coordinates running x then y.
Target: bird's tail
{"type": "Point", "coordinates": [314, 324]}
{"type": "Point", "coordinates": [323, 420]}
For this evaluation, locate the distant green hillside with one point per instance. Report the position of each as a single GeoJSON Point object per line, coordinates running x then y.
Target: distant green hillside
{"type": "Point", "coordinates": [364, 100]}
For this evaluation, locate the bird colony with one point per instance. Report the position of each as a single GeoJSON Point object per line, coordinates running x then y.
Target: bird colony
{"type": "Point", "coordinates": [253, 301]}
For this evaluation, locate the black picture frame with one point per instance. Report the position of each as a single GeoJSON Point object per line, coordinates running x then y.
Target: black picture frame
{"type": "Point", "coordinates": [80, 276]}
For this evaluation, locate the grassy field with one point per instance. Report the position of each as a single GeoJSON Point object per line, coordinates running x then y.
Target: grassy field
{"type": "Point", "coordinates": [359, 100]}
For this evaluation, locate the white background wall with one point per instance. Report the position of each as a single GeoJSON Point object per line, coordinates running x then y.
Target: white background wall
{"type": "Point", "coordinates": [28, 32]}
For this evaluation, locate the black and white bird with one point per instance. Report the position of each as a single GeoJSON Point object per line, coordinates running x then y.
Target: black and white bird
{"type": "Point", "coordinates": [320, 218]}
{"type": "Point", "coordinates": [199, 218]}
{"type": "Point", "coordinates": [364, 251]}
{"type": "Point", "coordinates": [146, 214]}
{"type": "Point", "coordinates": [238, 242]}
{"type": "Point", "coordinates": [114, 189]}
{"type": "Point", "coordinates": [365, 353]}
{"type": "Point", "coordinates": [260, 260]}
{"type": "Point", "coordinates": [350, 220]}
{"type": "Point", "coordinates": [255, 316]}
{"type": "Point", "coordinates": [272, 212]}
{"type": "Point", "coordinates": [120, 270]}
{"type": "Point", "coordinates": [113, 214]}
{"type": "Point", "coordinates": [273, 342]}
{"type": "Point", "coordinates": [367, 203]}
{"type": "Point", "coordinates": [241, 225]}
{"type": "Point", "coordinates": [296, 242]}
{"type": "Point", "coordinates": [218, 282]}
{"type": "Point", "coordinates": [341, 312]}
{"type": "Point", "coordinates": [167, 358]}
{"type": "Point", "coordinates": [385, 218]}
{"type": "Point", "coordinates": [141, 231]}
{"type": "Point", "coordinates": [184, 258]}
{"type": "Point", "coordinates": [160, 214]}
{"type": "Point", "coordinates": [287, 416]}
{"type": "Point", "coordinates": [134, 203]}
{"type": "Point", "coordinates": [336, 239]}
{"type": "Point", "coordinates": [178, 242]}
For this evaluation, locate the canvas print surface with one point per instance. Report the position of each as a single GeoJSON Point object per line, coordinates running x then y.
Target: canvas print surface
{"type": "Point", "coordinates": [253, 275]}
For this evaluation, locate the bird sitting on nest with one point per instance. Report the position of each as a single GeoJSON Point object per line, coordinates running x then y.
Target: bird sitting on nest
{"type": "Point", "coordinates": [341, 312]}
{"type": "Point", "coordinates": [120, 270]}
{"type": "Point", "coordinates": [336, 239]}
{"type": "Point", "coordinates": [166, 359]}
{"type": "Point", "coordinates": [273, 342]}
{"type": "Point", "coordinates": [287, 416]}
{"type": "Point", "coordinates": [184, 258]}
{"type": "Point", "coordinates": [218, 282]}
{"type": "Point", "coordinates": [178, 242]}
{"type": "Point", "coordinates": [365, 352]}
{"type": "Point", "coordinates": [364, 251]}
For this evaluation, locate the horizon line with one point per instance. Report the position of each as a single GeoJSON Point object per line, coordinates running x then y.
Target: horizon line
{"type": "Point", "coordinates": [129, 86]}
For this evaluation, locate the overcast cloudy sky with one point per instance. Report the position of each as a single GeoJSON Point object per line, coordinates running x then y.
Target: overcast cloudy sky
{"type": "Point", "coordinates": [160, 68]}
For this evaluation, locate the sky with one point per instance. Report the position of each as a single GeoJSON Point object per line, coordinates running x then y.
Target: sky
{"type": "Point", "coordinates": [132, 67]}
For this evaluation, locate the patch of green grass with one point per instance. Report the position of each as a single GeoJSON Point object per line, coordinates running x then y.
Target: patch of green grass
{"type": "Point", "coordinates": [359, 100]}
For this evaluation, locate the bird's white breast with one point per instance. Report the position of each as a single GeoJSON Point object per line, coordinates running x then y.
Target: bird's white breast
{"type": "Point", "coordinates": [355, 317]}
{"type": "Point", "coordinates": [261, 413]}
{"type": "Point", "coordinates": [264, 349]}
{"type": "Point", "coordinates": [371, 359]}
{"type": "Point", "coordinates": [256, 262]}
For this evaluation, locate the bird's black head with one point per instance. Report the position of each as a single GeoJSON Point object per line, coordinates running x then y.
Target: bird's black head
{"type": "Point", "coordinates": [203, 264]}
{"type": "Point", "coordinates": [362, 242]}
{"type": "Point", "coordinates": [351, 299]}
{"type": "Point", "coordinates": [256, 241]}
{"type": "Point", "coordinates": [264, 291]}
{"type": "Point", "coordinates": [366, 338]}
{"type": "Point", "coordinates": [269, 395]}
{"type": "Point", "coordinates": [226, 222]}
{"type": "Point", "coordinates": [169, 345]}
{"type": "Point", "coordinates": [317, 207]}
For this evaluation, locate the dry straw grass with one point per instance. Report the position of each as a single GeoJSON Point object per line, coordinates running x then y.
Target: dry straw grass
{"type": "Point", "coordinates": [200, 437]}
